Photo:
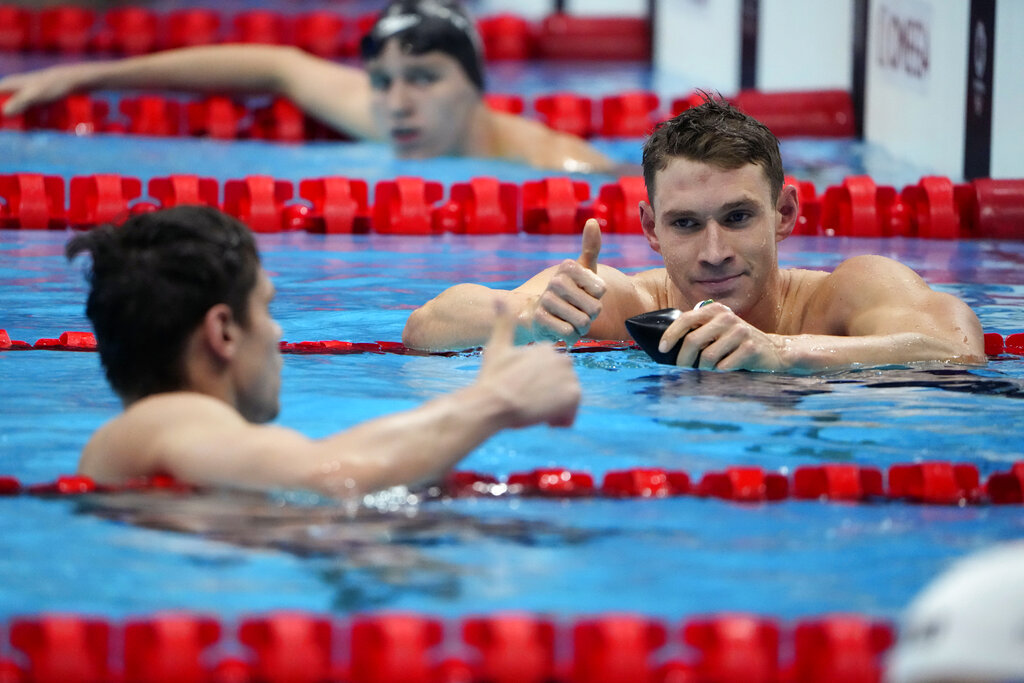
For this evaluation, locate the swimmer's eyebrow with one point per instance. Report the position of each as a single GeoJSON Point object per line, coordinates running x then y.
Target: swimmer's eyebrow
{"type": "Point", "coordinates": [675, 214]}
{"type": "Point", "coordinates": [415, 70]}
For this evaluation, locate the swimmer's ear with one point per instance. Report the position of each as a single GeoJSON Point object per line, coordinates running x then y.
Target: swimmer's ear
{"type": "Point", "coordinates": [647, 224]}
{"type": "Point", "coordinates": [220, 331]}
{"type": "Point", "coordinates": [788, 208]}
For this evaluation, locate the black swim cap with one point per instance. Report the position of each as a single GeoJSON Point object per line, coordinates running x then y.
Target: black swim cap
{"type": "Point", "coordinates": [423, 26]}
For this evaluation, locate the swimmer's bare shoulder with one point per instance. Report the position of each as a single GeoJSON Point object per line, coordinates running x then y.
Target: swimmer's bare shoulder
{"type": "Point", "coordinates": [151, 433]}
{"type": "Point", "coordinates": [872, 294]}
{"type": "Point", "coordinates": [517, 138]}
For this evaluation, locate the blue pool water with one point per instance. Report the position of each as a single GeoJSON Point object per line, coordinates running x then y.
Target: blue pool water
{"type": "Point", "coordinates": [668, 558]}
{"type": "Point", "coordinates": [672, 558]}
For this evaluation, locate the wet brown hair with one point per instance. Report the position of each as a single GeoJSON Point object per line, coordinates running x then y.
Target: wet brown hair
{"type": "Point", "coordinates": [716, 133]}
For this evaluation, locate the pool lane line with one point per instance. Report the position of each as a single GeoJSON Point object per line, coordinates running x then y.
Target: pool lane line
{"type": "Point", "coordinates": [933, 483]}
{"type": "Point", "coordinates": [935, 208]}
{"type": "Point", "coordinates": [397, 647]}
{"type": "Point", "coordinates": [995, 345]}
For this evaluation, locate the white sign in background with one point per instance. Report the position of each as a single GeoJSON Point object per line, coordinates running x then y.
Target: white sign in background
{"type": "Point", "coordinates": [1008, 89]}
{"type": "Point", "coordinates": [901, 48]}
{"type": "Point", "coordinates": [916, 88]}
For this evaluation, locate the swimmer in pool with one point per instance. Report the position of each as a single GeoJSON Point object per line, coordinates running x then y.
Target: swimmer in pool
{"type": "Point", "coordinates": [718, 209]}
{"type": "Point", "coordinates": [180, 306]}
{"type": "Point", "coordinates": [421, 90]}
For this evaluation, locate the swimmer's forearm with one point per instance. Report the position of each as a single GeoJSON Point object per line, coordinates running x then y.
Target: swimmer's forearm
{"type": "Point", "coordinates": [412, 447]}
{"type": "Point", "coordinates": [817, 353]}
{"type": "Point", "coordinates": [461, 317]}
{"type": "Point", "coordinates": [234, 68]}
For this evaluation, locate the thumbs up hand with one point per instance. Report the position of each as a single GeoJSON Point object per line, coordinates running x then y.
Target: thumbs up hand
{"type": "Point", "coordinates": [572, 299]}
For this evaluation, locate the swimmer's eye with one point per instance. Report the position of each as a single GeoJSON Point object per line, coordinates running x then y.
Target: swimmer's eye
{"type": "Point", "coordinates": [738, 217]}
{"type": "Point", "coordinates": [421, 77]}
{"type": "Point", "coordinates": [685, 224]}
{"type": "Point", "coordinates": [380, 81]}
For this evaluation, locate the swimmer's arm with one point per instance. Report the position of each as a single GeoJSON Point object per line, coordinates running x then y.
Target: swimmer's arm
{"type": "Point", "coordinates": [337, 94]}
{"type": "Point", "coordinates": [407, 448]}
{"type": "Point", "coordinates": [202, 441]}
{"type": "Point", "coordinates": [198, 439]}
{"type": "Point", "coordinates": [462, 316]}
{"type": "Point", "coordinates": [884, 313]}
{"type": "Point", "coordinates": [577, 298]}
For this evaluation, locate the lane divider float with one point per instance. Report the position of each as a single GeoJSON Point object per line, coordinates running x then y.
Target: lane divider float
{"type": "Point", "coordinates": [405, 647]}
{"type": "Point", "coordinates": [934, 208]}
{"type": "Point", "coordinates": [995, 345]}
{"type": "Point", "coordinates": [932, 483]}
{"type": "Point", "coordinates": [134, 30]}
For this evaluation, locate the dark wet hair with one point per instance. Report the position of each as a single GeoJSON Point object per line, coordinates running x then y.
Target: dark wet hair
{"type": "Point", "coordinates": [152, 280]}
{"type": "Point", "coordinates": [422, 26]}
{"type": "Point", "coordinates": [716, 133]}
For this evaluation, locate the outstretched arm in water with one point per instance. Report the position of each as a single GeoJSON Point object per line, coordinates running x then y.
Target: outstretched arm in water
{"type": "Point", "coordinates": [201, 440]}
{"type": "Point", "coordinates": [337, 95]}
{"type": "Point", "coordinates": [575, 299]}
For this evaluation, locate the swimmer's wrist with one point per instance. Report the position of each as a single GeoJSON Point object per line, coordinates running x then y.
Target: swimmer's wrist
{"type": "Point", "coordinates": [526, 332]}
{"type": "Point", "coordinates": [799, 353]}
{"type": "Point", "coordinates": [490, 404]}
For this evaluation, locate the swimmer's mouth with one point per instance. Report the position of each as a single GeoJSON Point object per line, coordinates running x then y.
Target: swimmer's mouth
{"type": "Point", "coordinates": [405, 136]}
{"type": "Point", "coordinates": [720, 284]}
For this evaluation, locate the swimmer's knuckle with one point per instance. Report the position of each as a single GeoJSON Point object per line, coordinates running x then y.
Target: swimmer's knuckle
{"type": "Point", "coordinates": [550, 300]}
{"type": "Point", "coordinates": [560, 285]}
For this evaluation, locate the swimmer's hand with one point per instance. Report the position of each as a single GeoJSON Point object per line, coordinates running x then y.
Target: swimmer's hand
{"type": "Point", "coordinates": [715, 338]}
{"type": "Point", "coordinates": [535, 383]}
{"type": "Point", "coordinates": [46, 85]}
{"type": "Point", "coordinates": [572, 299]}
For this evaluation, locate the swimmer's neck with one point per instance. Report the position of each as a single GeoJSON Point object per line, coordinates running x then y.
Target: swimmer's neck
{"type": "Point", "coordinates": [766, 313]}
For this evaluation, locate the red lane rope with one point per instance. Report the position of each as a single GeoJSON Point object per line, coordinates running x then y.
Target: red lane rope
{"type": "Point", "coordinates": [995, 345]}
{"type": "Point", "coordinates": [417, 648]}
{"type": "Point", "coordinates": [86, 341]}
{"type": "Point", "coordinates": [934, 208]}
{"type": "Point", "coordinates": [138, 30]}
{"type": "Point", "coordinates": [935, 483]}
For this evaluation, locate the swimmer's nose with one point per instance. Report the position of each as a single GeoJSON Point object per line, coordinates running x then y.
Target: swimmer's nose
{"type": "Point", "coordinates": [399, 100]}
{"type": "Point", "coordinates": [715, 248]}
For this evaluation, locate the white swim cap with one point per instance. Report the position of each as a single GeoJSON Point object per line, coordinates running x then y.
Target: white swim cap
{"type": "Point", "coordinates": [966, 625]}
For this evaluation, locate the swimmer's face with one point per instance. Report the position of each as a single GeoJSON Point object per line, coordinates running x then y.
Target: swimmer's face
{"type": "Point", "coordinates": [423, 104]}
{"type": "Point", "coordinates": [717, 231]}
{"type": "Point", "coordinates": [257, 370]}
